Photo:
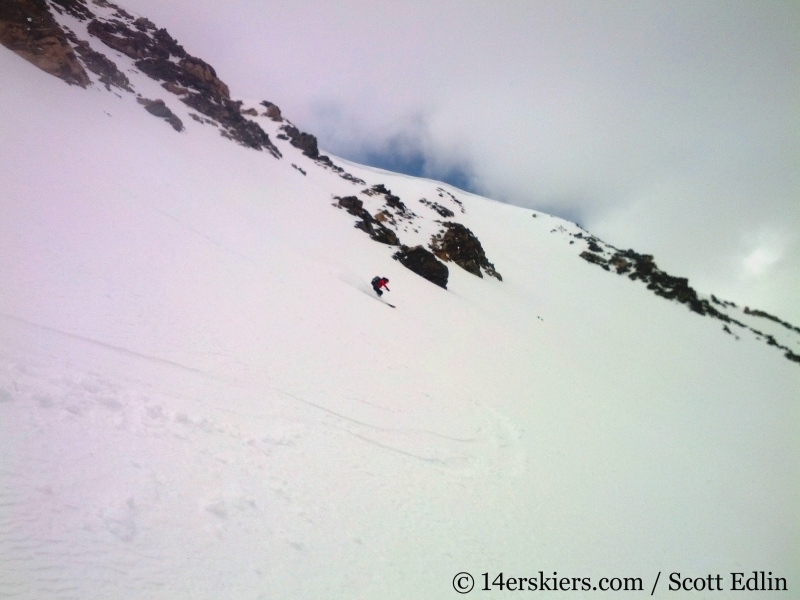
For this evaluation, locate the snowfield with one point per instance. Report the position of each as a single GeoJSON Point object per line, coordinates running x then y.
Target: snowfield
{"type": "Point", "coordinates": [201, 397]}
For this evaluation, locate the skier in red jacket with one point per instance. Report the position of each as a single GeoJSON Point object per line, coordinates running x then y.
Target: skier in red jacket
{"type": "Point", "coordinates": [378, 283]}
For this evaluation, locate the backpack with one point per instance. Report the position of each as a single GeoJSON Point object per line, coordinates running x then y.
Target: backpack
{"type": "Point", "coordinates": [376, 281]}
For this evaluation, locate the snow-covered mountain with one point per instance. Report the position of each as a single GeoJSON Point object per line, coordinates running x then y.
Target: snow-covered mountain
{"type": "Point", "coordinates": [202, 397]}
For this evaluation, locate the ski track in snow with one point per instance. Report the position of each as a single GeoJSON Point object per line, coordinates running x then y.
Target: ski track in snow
{"type": "Point", "coordinates": [90, 484]}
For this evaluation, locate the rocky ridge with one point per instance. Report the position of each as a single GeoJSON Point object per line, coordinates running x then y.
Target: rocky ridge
{"type": "Point", "coordinates": [642, 267]}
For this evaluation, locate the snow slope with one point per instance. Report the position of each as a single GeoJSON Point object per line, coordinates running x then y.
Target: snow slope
{"type": "Point", "coordinates": [200, 397]}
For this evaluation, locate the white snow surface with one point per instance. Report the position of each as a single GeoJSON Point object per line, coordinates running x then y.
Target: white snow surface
{"type": "Point", "coordinates": [201, 397]}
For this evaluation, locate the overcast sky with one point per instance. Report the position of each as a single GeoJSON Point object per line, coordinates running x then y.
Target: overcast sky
{"type": "Point", "coordinates": [672, 127]}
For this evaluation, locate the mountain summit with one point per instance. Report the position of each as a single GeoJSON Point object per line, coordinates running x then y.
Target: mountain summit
{"type": "Point", "coordinates": [201, 395]}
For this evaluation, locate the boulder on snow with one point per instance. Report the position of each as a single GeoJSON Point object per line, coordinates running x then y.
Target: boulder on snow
{"type": "Point", "coordinates": [424, 264]}
{"type": "Point", "coordinates": [159, 109]}
{"type": "Point", "coordinates": [273, 112]}
{"type": "Point", "coordinates": [457, 243]}
{"type": "Point", "coordinates": [302, 140]}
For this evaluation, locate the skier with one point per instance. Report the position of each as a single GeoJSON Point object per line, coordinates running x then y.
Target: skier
{"type": "Point", "coordinates": [379, 282]}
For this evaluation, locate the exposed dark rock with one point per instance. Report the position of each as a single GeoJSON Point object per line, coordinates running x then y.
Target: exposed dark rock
{"type": "Point", "coordinates": [174, 88]}
{"type": "Point", "coordinates": [378, 232]}
{"type": "Point", "coordinates": [352, 205]}
{"type": "Point", "coordinates": [203, 120]}
{"type": "Point", "coordinates": [642, 267]}
{"type": "Point", "coordinates": [273, 112]}
{"type": "Point", "coordinates": [438, 208]}
{"type": "Point", "coordinates": [203, 91]}
{"type": "Point", "coordinates": [160, 109]}
{"type": "Point", "coordinates": [392, 201]}
{"type": "Point", "coordinates": [100, 64]}
{"type": "Point", "coordinates": [304, 141]}
{"type": "Point", "coordinates": [444, 193]}
{"type": "Point", "coordinates": [132, 43]}
{"type": "Point", "coordinates": [137, 43]}
{"type": "Point", "coordinates": [350, 177]}
{"type": "Point", "coordinates": [205, 73]}
{"type": "Point", "coordinates": [28, 28]}
{"type": "Point", "coordinates": [766, 315]}
{"type": "Point", "coordinates": [74, 8]}
{"type": "Point", "coordinates": [307, 143]}
{"type": "Point", "coordinates": [368, 224]}
{"type": "Point", "coordinates": [250, 111]}
{"type": "Point", "coordinates": [236, 127]}
{"type": "Point", "coordinates": [457, 243]}
{"type": "Point", "coordinates": [143, 24]}
{"type": "Point", "coordinates": [165, 42]}
{"type": "Point", "coordinates": [594, 258]}
{"type": "Point", "coordinates": [593, 246]}
{"type": "Point", "coordinates": [423, 263]}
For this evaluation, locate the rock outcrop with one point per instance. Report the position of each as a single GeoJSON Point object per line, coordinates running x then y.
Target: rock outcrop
{"type": "Point", "coordinates": [28, 28]}
{"type": "Point", "coordinates": [438, 208]}
{"type": "Point", "coordinates": [457, 243]}
{"type": "Point", "coordinates": [273, 112]}
{"type": "Point", "coordinates": [159, 109]}
{"type": "Point", "coordinates": [642, 267]}
{"type": "Point", "coordinates": [392, 201]}
{"type": "Point", "coordinates": [302, 140]}
{"type": "Point", "coordinates": [423, 263]}
{"type": "Point", "coordinates": [367, 223]}
{"type": "Point", "coordinates": [100, 65]}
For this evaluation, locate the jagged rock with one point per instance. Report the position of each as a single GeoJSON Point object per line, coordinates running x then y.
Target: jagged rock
{"type": "Point", "coordinates": [352, 205]}
{"type": "Point", "coordinates": [391, 200]}
{"type": "Point", "coordinates": [134, 44]}
{"type": "Point", "coordinates": [438, 208]}
{"type": "Point", "coordinates": [593, 245]}
{"type": "Point", "coordinates": [74, 8]}
{"type": "Point", "coordinates": [205, 93]}
{"type": "Point", "coordinates": [100, 64]}
{"type": "Point", "coordinates": [765, 315]}
{"type": "Point", "coordinates": [28, 28]}
{"type": "Point", "coordinates": [378, 232]}
{"type": "Point", "coordinates": [144, 24]}
{"type": "Point", "coordinates": [137, 43]}
{"type": "Point", "coordinates": [250, 111]}
{"type": "Point", "coordinates": [368, 224]}
{"type": "Point", "coordinates": [160, 109]}
{"type": "Point", "coordinates": [423, 263]}
{"type": "Point", "coordinates": [594, 258]}
{"type": "Point", "coordinates": [273, 112]}
{"type": "Point", "coordinates": [457, 243]}
{"type": "Point", "coordinates": [174, 88]}
{"type": "Point", "coordinates": [236, 127]}
{"type": "Point", "coordinates": [442, 192]}
{"type": "Point", "coordinates": [304, 141]}
{"type": "Point", "coordinates": [205, 73]}
{"type": "Point", "coordinates": [307, 143]}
